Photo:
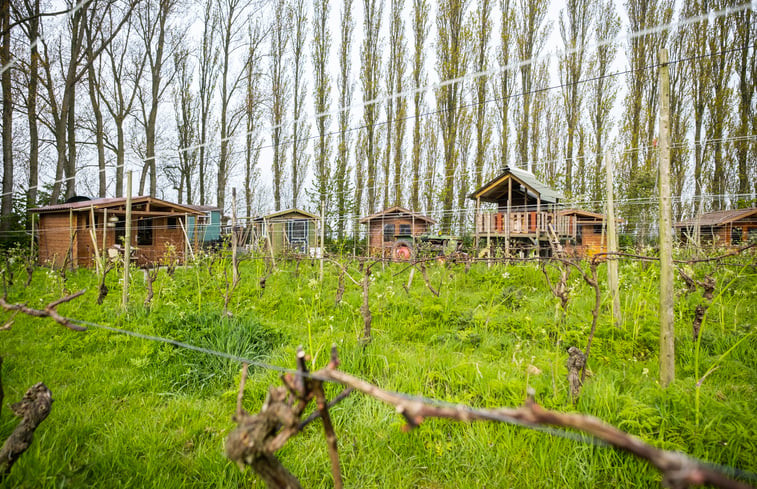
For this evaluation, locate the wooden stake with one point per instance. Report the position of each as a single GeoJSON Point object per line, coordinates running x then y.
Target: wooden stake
{"type": "Point", "coordinates": [612, 244]}
{"type": "Point", "coordinates": [323, 235]}
{"type": "Point", "coordinates": [127, 243]}
{"type": "Point", "coordinates": [234, 271]}
{"type": "Point", "coordinates": [667, 297]}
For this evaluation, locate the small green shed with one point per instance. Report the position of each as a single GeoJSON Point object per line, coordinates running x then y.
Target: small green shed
{"type": "Point", "coordinates": [206, 228]}
{"type": "Point", "coordinates": [289, 230]}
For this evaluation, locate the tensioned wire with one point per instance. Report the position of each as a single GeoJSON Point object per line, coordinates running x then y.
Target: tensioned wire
{"type": "Point", "coordinates": [440, 212]}
{"type": "Point", "coordinates": [493, 416]}
{"type": "Point", "coordinates": [541, 163]}
{"type": "Point", "coordinates": [491, 72]}
{"type": "Point", "coordinates": [465, 213]}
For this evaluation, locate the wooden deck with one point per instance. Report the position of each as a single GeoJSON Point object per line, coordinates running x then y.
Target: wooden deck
{"type": "Point", "coordinates": [524, 224]}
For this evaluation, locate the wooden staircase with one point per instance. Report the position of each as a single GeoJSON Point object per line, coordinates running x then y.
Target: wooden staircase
{"type": "Point", "coordinates": [554, 242]}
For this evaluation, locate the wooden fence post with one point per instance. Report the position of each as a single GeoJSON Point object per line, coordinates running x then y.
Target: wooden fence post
{"type": "Point", "coordinates": [667, 298]}
{"type": "Point", "coordinates": [612, 244]}
{"type": "Point", "coordinates": [127, 243]}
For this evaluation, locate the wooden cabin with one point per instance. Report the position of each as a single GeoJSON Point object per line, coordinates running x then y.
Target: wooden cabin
{"type": "Point", "coordinates": [79, 230]}
{"type": "Point", "coordinates": [518, 211]}
{"type": "Point", "coordinates": [292, 230]}
{"type": "Point", "coordinates": [587, 228]}
{"type": "Point", "coordinates": [392, 232]}
{"type": "Point", "coordinates": [731, 228]}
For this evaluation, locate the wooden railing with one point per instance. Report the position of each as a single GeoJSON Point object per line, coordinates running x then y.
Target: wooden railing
{"type": "Point", "coordinates": [523, 223]}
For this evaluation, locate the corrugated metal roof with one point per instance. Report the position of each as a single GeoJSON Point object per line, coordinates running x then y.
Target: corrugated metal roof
{"type": "Point", "coordinates": [397, 211]}
{"type": "Point", "coordinates": [717, 218]}
{"type": "Point", "coordinates": [527, 178]}
{"type": "Point", "coordinates": [288, 211]}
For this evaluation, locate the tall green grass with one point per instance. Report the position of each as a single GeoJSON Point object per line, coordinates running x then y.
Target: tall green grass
{"type": "Point", "coordinates": [134, 413]}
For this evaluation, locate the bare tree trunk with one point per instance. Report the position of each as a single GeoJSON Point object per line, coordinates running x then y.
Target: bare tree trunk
{"type": "Point", "coordinates": [31, 105]}
{"type": "Point", "coordinates": [5, 57]}
{"type": "Point", "coordinates": [420, 34]}
{"type": "Point", "coordinates": [341, 175]}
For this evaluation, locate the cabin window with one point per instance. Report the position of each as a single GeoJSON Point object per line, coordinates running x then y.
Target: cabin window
{"type": "Point", "coordinates": [144, 232]}
{"type": "Point", "coordinates": [735, 236]}
{"type": "Point", "coordinates": [597, 229]}
{"type": "Point", "coordinates": [579, 234]}
{"type": "Point", "coordinates": [297, 234]}
{"type": "Point", "coordinates": [752, 233]}
{"type": "Point", "coordinates": [405, 229]}
{"type": "Point", "coordinates": [388, 232]}
{"type": "Point", "coordinates": [171, 223]}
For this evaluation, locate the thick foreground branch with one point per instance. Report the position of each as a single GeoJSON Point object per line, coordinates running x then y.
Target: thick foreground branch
{"type": "Point", "coordinates": [257, 437]}
{"type": "Point", "coordinates": [48, 312]}
{"type": "Point", "coordinates": [33, 409]}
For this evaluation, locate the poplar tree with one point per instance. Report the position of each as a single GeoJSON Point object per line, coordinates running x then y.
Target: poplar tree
{"type": "Point", "coordinates": [431, 154]}
{"type": "Point", "coordinates": [398, 47]}
{"type": "Point", "coordinates": [160, 40]}
{"type": "Point", "coordinates": [369, 77]}
{"type": "Point", "coordinates": [208, 74]}
{"type": "Point", "coordinates": [641, 114]}
{"type": "Point", "coordinates": [679, 121]}
{"type": "Point", "coordinates": [451, 55]}
{"type": "Point", "coordinates": [253, 112]}
{"type": "Point", "coordinates": [699, 73]}
{"type": "Point", "coordinates": [575, 21]}
{"type": "Point", "coordinates": [345, 98]}
{"type": "Point", "coordinates": [229, 24]}
{"type": "Point", "coordinates": [719, 106]}
{"type": "Point", "coordinates": [185, 114]}
{"type": "Point", "coordinates": [5, 81]}
{"type": "Point", "coordinates": [531, 35]}
{"type": "Point", "coordinates": [279, 95]}
{"type": "Point", "coordinates": [602, 91]}
{"type": "Point", "coordinates": [420, 34]}
{"type": "Point", "coordinates": [321, 91]}
{"type": "Point", "coordinates": [746, 70]}
{"type": "Point", "coordinates": [505, 82]}
{"type": "Point", "coordinates": [482, 28]}
{"type": "Point", "coordinates": [300, 128]}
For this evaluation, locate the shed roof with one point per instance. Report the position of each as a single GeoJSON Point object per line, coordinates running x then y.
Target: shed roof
{"type": "Point", "coordinates": [397, 212]}
{"type": "Point", "coordinates": [718, 218]}
{"type": "Point", "coordinates": [491, 191]}
{"type": "Point", "coordinates": [203, 208]}
{"type": "Point", "coordinates": [110, 202]}
{"type": "Point", "coordinates": [285, 212]}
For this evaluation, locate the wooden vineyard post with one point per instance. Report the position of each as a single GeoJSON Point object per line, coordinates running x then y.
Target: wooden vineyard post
{"type": "Point", "coordinates": [127, 243]}
{"type": "Point", "coordinates": [667, 298]}
{"type": "Point", "coordinates": [31, 244]}
{"type": "Point", "coordinates": [234, 271]}
{"type": "Point", "coordinates": [612, 244]}
{"type": "Point", "coordinates": [323, 235]}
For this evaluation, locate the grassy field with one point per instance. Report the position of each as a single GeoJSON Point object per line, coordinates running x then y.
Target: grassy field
{"type": "Point", "coordinates": [135, 413]}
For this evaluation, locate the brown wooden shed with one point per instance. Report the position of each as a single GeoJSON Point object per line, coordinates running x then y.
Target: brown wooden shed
{"type": "Point", "coordinates": [588, 239]}
{"type": "Point", "coordinates": [72, 229]}
{"type": "Point", "coordinates": [730, 228]}
{"type": "Point", "coordinates": [391, 232]}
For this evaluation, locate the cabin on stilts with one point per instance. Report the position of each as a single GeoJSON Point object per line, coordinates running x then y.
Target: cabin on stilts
{"type": "Point", "coordinates": [515, 212]}
{"type": "Point", "coordinates": [77, 231]}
